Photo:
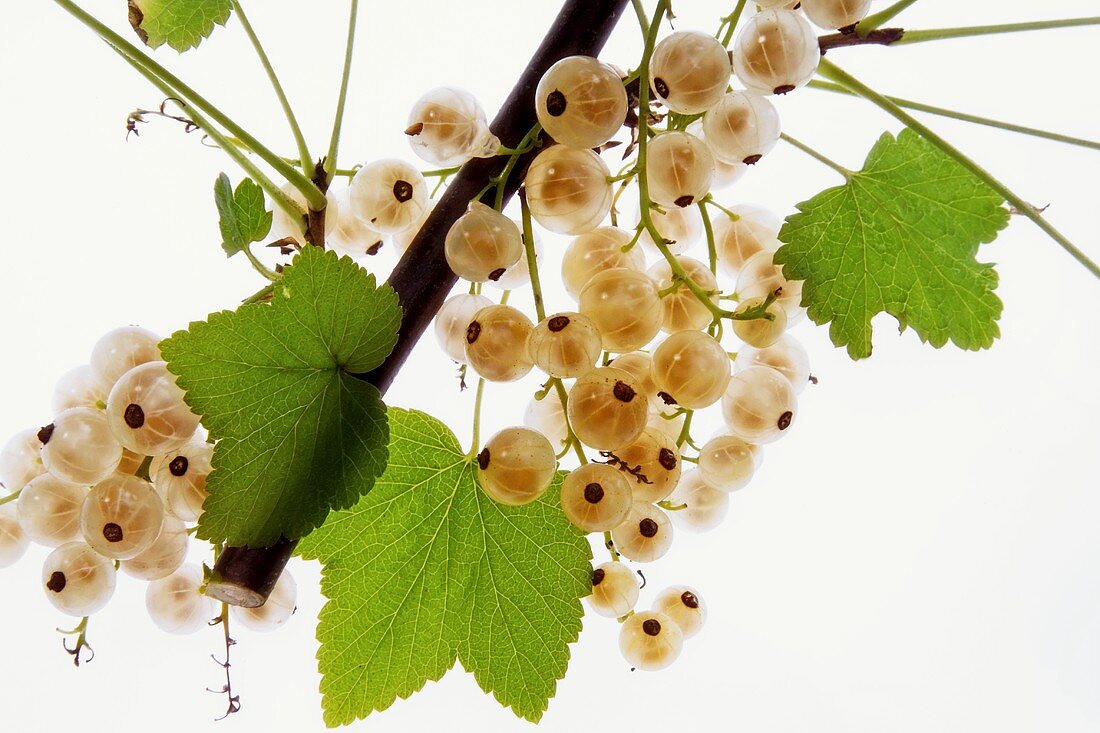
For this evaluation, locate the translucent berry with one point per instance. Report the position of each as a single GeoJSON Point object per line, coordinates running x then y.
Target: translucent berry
{"type": "Point", "coordinates": [565, 345]}
{"type": "Point", "coordinates": [119, 351]}
{"type": "Point", "coordinates": [651, 465]}
{"type": "Point", "coordinates": [639, 365]}
{"type": "Point", "coordinates": [606, 410]}
{"type": "Point", "coordinates": [835, 14]}
{"type": "Point", "coordinates": [759, 404]}
{"type": "Point", "coordinates": [680, 169]}
{"type": "Point", "coordinates": [760, 276]}
{"type": "Point", "coordinates": [80, 447]}
{"type": "Point", "coordinates": [684, 606]}
{"type": "Point", "coordinates": [181, 479]}
{"type": "Point", "coordinates": [704, 507]}
{"type": "Point", "coordinates": [760, 332]}
{"type": "Point", "coordinates": [596, 497]}
{"type": "Point", "coordinates": [13, 540]}
{"type": "Point", "coordinates": [131, 463]}
{"type": "Point", "coordinates": [776, 52]}
{"type": "Point", "coordinates": [147, 413]}
{"type": "Point", "coordinates": [736, 240]}
{"type": "Point", "coordinates": [453, 318]}
{"type": "Point", "coordinates": [650, 641]}
{"type": "Point", "coordinates": [614, 590]}
{"type": "Point", "coordinates": [668, 421]}
{"type": "Point", "coordinates": [350, 234]}
{"type": "Point", "coordinates": [625, 306]}
{"type": "Point", "coordinates": [21, 458]}
{"type": "Point", "coordinates": [681, 308]}
{"type": "Point", "coordinates": [592, 253]}
{"type": "Point", "coordinates": [581, 102]}
{"type": "Point", "coordinates": [679, 227]}
{"type": "Point", "coordinates": [447, 127]}
{"type": "Point", "coordinates": [742, 128]}
{"type": "Point", "coordinates": [689, 71]}
{"type": "Point", "coordinates": [547, 416]}
{"type": "Point", "coordinates": [280, 606]}
{"type": "Point", "coordinates": [519, 274]}
{"type": "Point", "coordinates": [567, 189]}
{"type": "Point", "coordinates": [402, 239]}
{"type": "Point", "coordinates": [692, 368]}
{"type": "Point", "coordinates": [482, 244]}
{"type": "Point", "coordinates": [516, 466]}
{"type": "Point", "coordinates": [787, 356]}
{"type": "Point", "coordinates": [496, 343]}
{"type": "Point", "coordinates": [164, 556]}
{"type": "Point", "coordinates": [727, 463]}
{"type": "Point", "coordinates": [389, 195]}
{"type": "Point", "coordinates": [645, 535]}
{"type": "Point", "coordinates": [78, 581]}
{"type": "Point", "coordinates": [121, 517]}
{"type": "Point", "coordinates": [49, 510]}
{"type": "Point", "coordinates": [78, 387]}
{"type": "Point", "coordinates": [176, 604]}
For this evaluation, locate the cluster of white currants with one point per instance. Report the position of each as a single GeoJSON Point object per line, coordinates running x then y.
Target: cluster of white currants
{"type": "Point", "coordinates": [115, 482]}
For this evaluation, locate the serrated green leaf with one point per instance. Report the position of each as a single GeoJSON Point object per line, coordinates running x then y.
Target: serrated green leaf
{"type": "Point", "coordinates": [182, 24]}
{"type": "Point", "coordinates": [297, 435]}
{"type": "Point", "coordinates": [900, 237]}
{"type": "Point", "coordinates": [427, 570]}
{"type": "Point", "coordinates": [242, 214]}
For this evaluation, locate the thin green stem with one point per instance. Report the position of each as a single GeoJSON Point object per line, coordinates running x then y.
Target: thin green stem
{"type": "Point", "coordinates": [610, 545]}
{"type": "Point", "coordinates": [532, 257]}
{"type": "Point", "coordinates": [475, 441]}
{"type": "Point", "coordinates": [338, 120]}
{"type": "Point", "coordinates": [834, 73]}
{"type": "Point", "coordinates": [196, 101]}
{"type": "Point", "coordinates": [299, 139]}
{"type": "Point", "coordinates": [730, 22]}
{"type": "Point", "coordinates": [846, 173]}
{"type": "Point", "coordinates": [259, 266]}
{"type": "Point", "coordinates": [261, 295]}
{"type": "Point", "coordinates": [708, 230]}
{"type": "Point", "coordinates": [685, 431]}
{"type": "Point", "coordinates": [938, 34]}
{"type": "Point", "coordinates": [438, 172]}
{"type": "Point", "coordinates": [643, 21]}
{"type": "Point", "coordinates": [142, 471]}
{"type": "Point", "coordinates": [572, 437]}
{"type": "Point", "coordinates": [882, 17]}
{"type": "Point", "coordinates": [964, 117]}
{"type": "Point", "coordinates": [10, 497]}
{"type": "Point", "coordinates": [501, 180]}
{"type": "Point", "coordinates": [710, 201]}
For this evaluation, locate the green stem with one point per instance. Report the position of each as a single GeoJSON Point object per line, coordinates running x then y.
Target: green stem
{"type": "Point", "coordinates": [708, 230]}
{"type": "Point", "coordinates": [142, 471]}
{"type": "Point", "coordinates": [731, 21]}
{"type": "Point", "coordinates": [475, 441]}
{"type": "Point", "coordinates": [438, 172]}
{"type": "Point", "coordinates": [954, 115]}
{"type": "Point", "coordinates": [295, 129]}
{"type": "Point", "coordinates": [685, 431]}
{"type": "Point", "coordinates": [937, 34]}
{"type": "Point", "coordinates": [833, 72]}
{"type": "Point", "coordinates": [643, 21]}
{"type": "Point", "coordinates": [152, 69]}
{"type": "Point", "coordinates": [338, 121]}
{"type": "Point", "coordinates": [847, 174]}
{"type": "Point", "coordinates": [882, 17]}
{"type": "Point", "coordinates": [259, 266]}
{"type": "Point", "coordinates": [10, 497]}
{"type": "Point", "coordinates": [261, 295]}
{"type": "Point", "coordinates": [502, 180]}
{"type": "Point", "coordinates": [709, 200]}
{"type": "Point", "coordinates": [532, 258]}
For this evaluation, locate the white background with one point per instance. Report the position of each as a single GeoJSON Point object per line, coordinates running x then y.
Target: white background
{"type": "Point", "coordinates": [921, 553]}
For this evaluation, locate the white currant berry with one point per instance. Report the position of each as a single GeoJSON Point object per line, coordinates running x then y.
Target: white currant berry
{"type": "Point", "coordinates": [760, 332]}
{"type": "Point", "coordinates": [80, 447]}
{"type": "Point", "coordinates": [121, 517]}
{"type": "Point", "coordinates": [651, 464]}
{"type": "Point", "coordinates": [727, 463]}
{"type": "Point", "coordinates": [704, 507]}
{"type": "Point", "coordinates": [389, 195]}
{"type": "Point", "coordinates": [645, 535]}
{"type": "Point", "coordinates": [285, 225]}
{"type": "Point", "coordinates": [78, 580]}
{"type": "Point", "coordinates": [736, 240]}
{"type": "Point", "coordinates": [176, 604]}
{"type": "Point", "coordinates": [119, 351]}
{"type": "Point", "coordinates": [639, 365]}
{"type": "Point", "coordinates": [276, 611]}
{"type": "Point", "coordinates": [680, 169]}
{"type": "Point", "coordinates": [13, 540]}
{"type": "Point", "coordinates": [78, 387]}
{"type": "Point", "coordinates": [596, 497]}
{"type": "Point", "coordinates": [519, 274]}
{"type": "Point", "coordinates": [650, 641]}
{"type": "Point", "coordinates": [453, 318]}
{"type": "Point", "coordinates": [727, 174]}
{"type": "Point", "coordinates": [581, 102]}
{"type": "Point", "coordinates": [625, 306]}
{"type": "Point", "coordinates": [614, 590]}
{"type": "Point", "coordinates": [776, 52]}
{"type": "Point", "coordinates": [496, 343]}
{"type": "Point", "coordinates": [147, 412]}
{"type": "Point", "coordinates": [606, 410]}
{"type": "Point", "coordinates": [49, 510]}
{"type": "Point", "coordinates": [482, 244]}
{"type": "Point", "coordinates": [689, 71]}
{"type": "Point", "coordinates": [567, 189]}
{"type": "Point", "coordinates": [759, 405]}
{"type": "Point", "coordinates": [565, 345]}
{"type": "Point", "coordinates": [516, 466]}
{"type": "Point", "coordinates": [692, 368]}
{"type": "Point", "coordinates": [21, 459]}
{"type": "Point", "coordinates": [164, 556]}
{"type": "Point", "coordinates": [787, 356]}
{"type": "Point", "coordinates": [681, 309]}
{"type": "Point", "coordinates": [679, 227]}
{"type": "Point", "coordinates": [592, 253]}
{"type": "Point", "coordinates": [742, 128]}
{"type": "Point", "coordinates": [683, 605]}
{"type": "Point", "coordinates": [403, 239]}
{"type": "Point", "coordinates": [760, 277]}
{"type": "Point", "coordinates": [130, 463]}
{"type": "Point", "coordinates": [666, 420]}
{"type": "Point", "coordinates": [547, 416]}
{"type": "Point", "coordinates": [350, 234]}
{"type": "Point", "coordinates": [835, 14]}
{"type": "Point", "coordinates": [181, 479]}
{"type": "Point", "coordinates": [447, 127]}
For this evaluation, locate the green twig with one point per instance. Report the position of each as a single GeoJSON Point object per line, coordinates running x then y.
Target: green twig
{"type": "Point", "coordinates": [882, 17]}
{"type": "Point", "coordinates": [730, 22]}
{"type": "Point", "coordinates": [939, 34]}
{"type": "Point", "coordinates": [338, 120]}
{"type": "Point", "coordinates": [847, 174]}
{"type": "Point", "coordinates": [10, 497]}
{"type": "Point", "coordinates": [475, 441]}
{"type": "Point", "coordinates": [532, 258]}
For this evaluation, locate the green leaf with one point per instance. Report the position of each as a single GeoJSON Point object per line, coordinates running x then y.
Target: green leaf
{"type": "Point", "coordinates": [427, 569]}
{"type": "Point", "coordinates": [901, 237]}
{"type": "Point", "coordinates": [242, 215]}
{"type": "Point", "coordinates": [297, 434]}
{"type": "Point", "coordinates": [182, 24]}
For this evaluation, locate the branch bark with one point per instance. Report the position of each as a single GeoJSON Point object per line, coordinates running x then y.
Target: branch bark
{"type": "Point", "coordinates": [245, 576]}
{"type": "Point", "coordinates": [880, 37]}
